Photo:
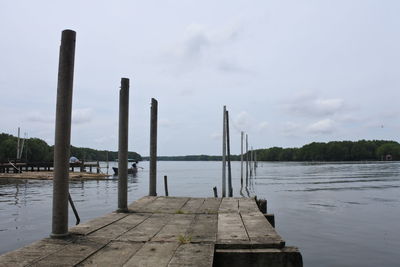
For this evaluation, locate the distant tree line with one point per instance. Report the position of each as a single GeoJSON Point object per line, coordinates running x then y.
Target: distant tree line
{"type": "Point", "coordinates": [331, 151]}
{"type": "Point", "coordinates": [37, 150]}
{"type": "Point", "coordinates": [334, 151]}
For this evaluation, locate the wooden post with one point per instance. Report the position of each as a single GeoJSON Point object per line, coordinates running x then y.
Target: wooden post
{"type": "Point", "coordinates": [241, 159]}
{"type": "Point", "coordinates": [215, 191]}
{"type": "Point", "coordinates": [63, 134]}
{"type": "Point", "coordinates": [247, 161]}
{"type": "Point", "coordinates": [230, 189]}
{"type": "Point", "coordinates": [123, 146]}
{"type": "Point", "coordinates": [153, 148]}
{"type": "Point", "coordinates": [166, 185]}
{"type": "Point", "coordinates": [18, 145]}
{"type": "Point", "coordinates": [224, 154]}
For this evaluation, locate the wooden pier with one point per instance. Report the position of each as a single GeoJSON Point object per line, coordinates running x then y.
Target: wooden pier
{"type": "Point", "coordinates": [167, 231]}
{"type": "Point", "coordinates": [16, 167]}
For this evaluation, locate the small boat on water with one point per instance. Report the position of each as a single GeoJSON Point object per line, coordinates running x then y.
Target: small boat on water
{"type": "Point", "coordinates": [130, 170]}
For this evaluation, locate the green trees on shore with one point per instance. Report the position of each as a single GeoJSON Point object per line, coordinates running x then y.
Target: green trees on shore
{"type": "Point", "coordinates": [36, 150]}
{"type": "Point", "coordinates": [334, 151]}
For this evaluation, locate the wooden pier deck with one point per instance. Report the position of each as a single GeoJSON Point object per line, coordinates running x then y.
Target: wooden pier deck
{"type": "Point", "coordinates": [167, 231]}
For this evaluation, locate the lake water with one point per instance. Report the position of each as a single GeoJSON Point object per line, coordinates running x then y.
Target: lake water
{"type": "Point", "coordinates": [338, 214]}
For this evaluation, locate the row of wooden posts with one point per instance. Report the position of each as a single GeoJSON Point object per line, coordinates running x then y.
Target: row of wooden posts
{"type": "Point", "coordinates": [251, 159]}
{"type": "Point", "coordinates": [63, 139]}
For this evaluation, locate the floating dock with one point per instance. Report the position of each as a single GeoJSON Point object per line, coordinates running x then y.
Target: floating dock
{"type": "Point", "coordinates": [167, 231]}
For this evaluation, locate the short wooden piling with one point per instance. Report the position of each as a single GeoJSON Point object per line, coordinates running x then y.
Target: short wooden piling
{"type": "Point", "coordinates": [153, 148]}
{"type": "Point", "coordinates": [123, 146]}
{"type": "Point", "coordinates": [63, 134]}
{"type": "Point", "coordinates": [166, 185]}
{"type": "Point", "coordinates": [215, 191]}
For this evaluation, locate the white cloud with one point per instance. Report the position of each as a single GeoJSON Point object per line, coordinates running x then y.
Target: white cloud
{"type": "Point", "coordinates": [82, 115]}
{"type": "Point", "coordinates": [37, 116]}
{"type": "Point", "coordinates": [309, 105]}
{"type": "Point", "coordinates": [244, 122]}
{"type": "Point", "coordinates": [263, 125]}
{"type": "Point", "coordinates": [324, 126]}
{"type": "Point", "coordinates": [291, 128]}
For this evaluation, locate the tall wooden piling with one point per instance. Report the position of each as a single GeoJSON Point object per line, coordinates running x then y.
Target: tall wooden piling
{"type": "Point", "coordinates": [18, 144]}
{"type": "Point", "coordinates": [63, 134]}
{"type": "Point", "coordinates": [123, 146]}
{"type": "Point", "coordinates": [224, 154]}
{"type": "Point", "coordinates": [247, 161]}
{"type": "Point", "coordinates": [241, 159]}
{"type": "Point", "coordinates": [153, 148]}
{"type": "Point", "coordinates": [230, 189]}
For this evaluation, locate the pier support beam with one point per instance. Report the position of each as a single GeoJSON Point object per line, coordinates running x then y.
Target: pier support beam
{"type": "Point", "coordinates": [224, 154]}
{"type": "Point", "coordinates": [153, 148]}
{"type": "Point", "coordinates": [123, 146]}
{"type": "Point", "coordinates": [63, 134]}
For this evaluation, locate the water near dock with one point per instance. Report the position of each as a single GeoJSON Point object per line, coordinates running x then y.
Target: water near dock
{"type": "Point", "coordinates": [337, 214]}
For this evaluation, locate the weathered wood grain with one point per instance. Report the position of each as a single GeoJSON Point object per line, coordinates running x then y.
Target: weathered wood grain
{"type": "Point", "coordinates": [199, 255]}
{"type": "Point", "coordinates": [229, 205]}
{"type": "Point", "coordinates": [210, 206]}
{"type": "Point", "coordinates": [231, 230]}
{"type": "Point", "coordinates": [176, 229]}
{"type": "Point", "coordinates": [95, 224]}
{"type": "Point", "coordinates": [260, 231]}
{"type": "Point", "coordinates": [140, 205]}
{"type": "Point", "coordinates": [156, 254]}
{"type": "Point", "coordinates": [73, 253]}
{"type": "Point", "coordinates": [116, 253]}
{"type": "Point", "coordinates": [166, 205]}
{"type": "Point", "coordinates": [192, 205]}
{"type": "Point", "coordinates": [32, 253]}
{"type": "Point", "coordinates": [121, 226]}
{"type": "Point", "coordinates": [247, 205]}
{"type": "Point", "coordinates": [148, 229]}
{"type": "Point", "coordinates": [204, 228]}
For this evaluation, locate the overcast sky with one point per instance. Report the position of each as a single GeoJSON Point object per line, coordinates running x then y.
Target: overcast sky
{"type": "Point", "coordinates": [289, 72]}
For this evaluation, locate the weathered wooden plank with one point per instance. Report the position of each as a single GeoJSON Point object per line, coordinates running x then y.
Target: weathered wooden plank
{"type": "Point", "coordinates": [148, 229]}
{"type": "Point", "coordinates": [32, 253]}
{"type": "Point", "coordinates": [231, 230]}
{"type": "Point", "coordinates": [199, 255]}
{"type": "Point", "coordinates": [248, 205]}
{"type": "Point", "coordinates": [153, 254]}
{"type": "Point", "coordinates": [210, 206]}
{"type": "Point", "coordinates": [192, 205]}
{"type": "Point", "coordinates": [204, 228]}
{"type": "Point", "coordinates": [119, 227]}
{"type": "Point", "coordinates": [95, 224]}
{"type": "Point", "coordinates": [229, 205]}
{"type": "Point", "coordinates": [116, 253]}
{"type": "Point", "coordinates": [176, 229]}
{"type": "Point", "coordinates": [140, 205]}
{"type": "Point", "coordinates": [74, 253]}
{"type": "Point", "coordinates": [261, 232]}
{"type": "Point", "coordinates": [166, 205]}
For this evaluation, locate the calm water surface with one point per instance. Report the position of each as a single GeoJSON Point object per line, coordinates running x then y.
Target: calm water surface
{"type": "Point", "coordinates": [338, 214]}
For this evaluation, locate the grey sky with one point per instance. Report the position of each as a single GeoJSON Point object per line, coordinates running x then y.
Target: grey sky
{"type": "Point", "coordinates": [290, 72]}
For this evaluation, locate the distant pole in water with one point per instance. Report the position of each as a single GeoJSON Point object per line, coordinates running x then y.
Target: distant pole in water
{"type": "Point", "coordinates": [247, 161]}
{"type": "Point", "coordinates": [108, 165]}
{"type": "Point", "coordinates": [166, 185]}
{"type": "Point", "coordinates": [123, 146]}
{"type": "Point", "coordinates": [18, 144]}
{"type": "Point", "coordinates": [224, 154]}
{"type": "Point", "coordinates": [153, 149]}
{"type": "Point", "coordinates": [255, 162]}
{"type": "Point", "coordinates": [241, 159]}
{"type": "Point", "coordinates": [230, 189]}
{"type": "Point", "coordinates": [215, 191]}
{"type": "Point", "coordinates": [63, 134]}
